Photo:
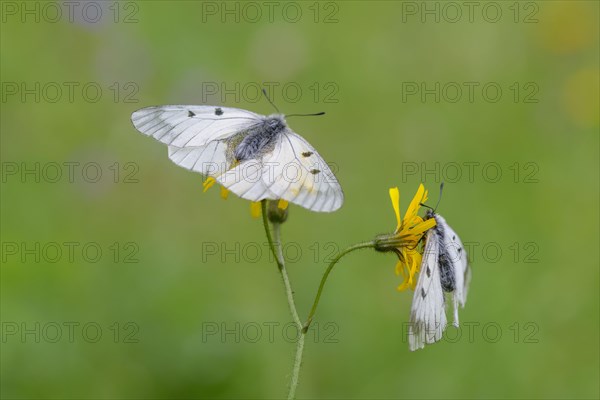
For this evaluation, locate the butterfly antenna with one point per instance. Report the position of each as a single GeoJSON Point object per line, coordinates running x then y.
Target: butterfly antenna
{"type": "Point", "coordinates": [269, 100]}
{"type": "Point", "coordinates": [306, 115]}
{"type": "Point", "coordinates": [439, 199]}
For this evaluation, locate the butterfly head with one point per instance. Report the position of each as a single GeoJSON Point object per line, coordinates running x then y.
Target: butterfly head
{"type": "Point", "coordinates": [429, 214]}
{"type": "Point", "coordinates": [275, 123]}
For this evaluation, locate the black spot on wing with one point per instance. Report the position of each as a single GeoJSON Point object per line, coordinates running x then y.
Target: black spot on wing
{"type": "Point", "coordinates": [307, 154]}
{"type": "Point", "coordinates": [422, 292]}
{"type": "Point", "coordinates": [218, 111]}
{"type": "Point", "coordinates": [191, 114]}
{"type": "Point", "coordinates": [428, 272]}
{"type": "Point", "coordinates": [319, 193]}
{"type": "Point", "coordinates": [314, 171]}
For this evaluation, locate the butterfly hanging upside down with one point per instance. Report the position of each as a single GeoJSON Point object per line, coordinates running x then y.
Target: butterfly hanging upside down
{"type": "Point", "coordinates": [444, 269]}
{"type": "Point", "coordinates": [256, 157]}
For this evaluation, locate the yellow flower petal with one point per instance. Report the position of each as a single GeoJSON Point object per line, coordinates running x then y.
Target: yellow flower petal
{"type": "Point", "coordinates": [414, 206]}
{"type": "Point", "coordinates": [255, 209]}
{"type": "Point", "coordinates": [423, 226]}
{"type": "Point", "coordinates": [208, 183]}
{"type": "Point", "coordinates": [224, 193]}
{"type": "Point", "coordinates": [406, 239]}
{"type": "Point", "coordinates": [282, 204]}
{"type": "Point", "coordinates": [399, 268]}
{"type": "Point", "coordinates": [395, 197]}
{"type": "Point", "coordinates": [413, 270]}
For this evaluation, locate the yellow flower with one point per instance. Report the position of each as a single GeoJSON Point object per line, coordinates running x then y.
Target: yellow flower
{"type": "Point", "coordinates": [255, 207]}
{"type": "Point", "coordinates": [277, 211]}
{"type": "Point", "coordinates": [208, 183]}
{"type": "Point", "coordinates": [405, 239]}
{"type": "Point", "coordinates": [282, 204]}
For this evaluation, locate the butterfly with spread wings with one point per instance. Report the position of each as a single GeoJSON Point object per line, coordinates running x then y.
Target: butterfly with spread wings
{"type": "Point", "coordinates": [444, 269]}
{"type": "Point", "coordinates": [256, 157]}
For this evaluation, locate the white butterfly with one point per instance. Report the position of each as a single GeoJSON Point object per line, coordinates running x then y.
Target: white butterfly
{"type": "Point", "coordinates": [255, 156]}
{"type": "Point", "coordinates": [444, 268]}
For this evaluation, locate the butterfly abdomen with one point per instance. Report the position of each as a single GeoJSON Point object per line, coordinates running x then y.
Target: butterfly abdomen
{"type": "Point", "coordinates": [260, 139]}
{"type": "Point", "coordinates": [444, 260]}
{"type": "Point", "coordinates": [446, 272]}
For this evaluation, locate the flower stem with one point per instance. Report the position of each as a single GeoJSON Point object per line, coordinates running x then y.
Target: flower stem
{"type": "Point", "coordinates": [297, 363]}
{"type": "Point", "coordinates": [337, 258]}
{"type": "Point", "coordinates": [276, 249]}
{"type": "Point", "coordinates": [286, 280]}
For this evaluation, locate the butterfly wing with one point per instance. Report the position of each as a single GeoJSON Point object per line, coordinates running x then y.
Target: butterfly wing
{"type": "Point", "coordinates": [460, 266]}
{"type": "Point", "coordinates": [302, 176]}
{"type": "Point", "coordinates": [293, 171]}
{"type": "Point", "coordinates": [427, 314]}
{"type": "Point", "coordinates": [196, 135]}
{"type": "Point", "coordinates": [189, 126]}
{"type": "Point", "coordinates": [202, 139]}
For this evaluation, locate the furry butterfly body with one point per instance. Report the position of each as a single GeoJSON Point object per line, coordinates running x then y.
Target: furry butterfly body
{"type": "Point", "coordinates": [444, 270]}
{"type": "Point", "coordinates": [256, 157]}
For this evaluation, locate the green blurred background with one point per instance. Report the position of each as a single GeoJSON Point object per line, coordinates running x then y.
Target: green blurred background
{"type": "Point", "coordinates": [533, 309]}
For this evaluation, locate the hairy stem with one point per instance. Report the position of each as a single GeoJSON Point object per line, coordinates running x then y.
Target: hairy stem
{"type": "Point", "coordinates": [276, 248]}
{"type": "Point", "coordinates": [337, 258]}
